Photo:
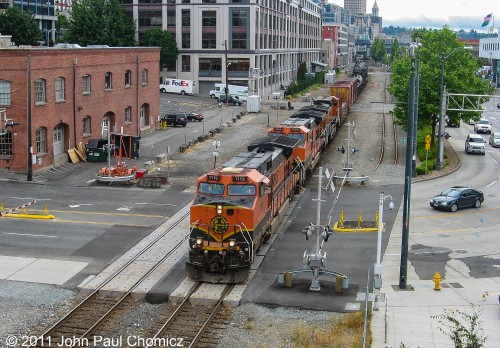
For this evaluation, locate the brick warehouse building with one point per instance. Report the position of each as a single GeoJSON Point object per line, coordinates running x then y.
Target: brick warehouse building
{"type": "Point", "coordinates": [70, 95]}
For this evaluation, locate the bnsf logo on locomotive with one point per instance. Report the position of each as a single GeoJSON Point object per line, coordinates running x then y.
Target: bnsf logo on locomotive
{"type": "Point", "coordinates": [219, 224]}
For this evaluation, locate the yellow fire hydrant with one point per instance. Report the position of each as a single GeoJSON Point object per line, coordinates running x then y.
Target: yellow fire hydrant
{"type": "Point", "coordinates": [437, 281]}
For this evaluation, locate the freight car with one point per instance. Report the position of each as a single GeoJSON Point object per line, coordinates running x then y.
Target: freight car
{"type": "Point", "coordinates": [239, 205]}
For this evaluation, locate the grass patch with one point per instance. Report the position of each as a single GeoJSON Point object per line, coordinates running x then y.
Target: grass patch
{"type": "Point", "coordinates": [340, 332]}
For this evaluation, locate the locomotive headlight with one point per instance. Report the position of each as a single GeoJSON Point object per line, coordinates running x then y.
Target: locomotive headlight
{"type": "Point", "coordinates": [219, 209]}
{"type": "Point", "coordinates": [199, 241]}
{"type": "Point", "coordinates": [232, 243]}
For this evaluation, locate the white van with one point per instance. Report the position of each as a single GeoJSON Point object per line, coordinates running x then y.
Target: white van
{"type": "Point", "coordinates": [177, 86]}
{"type": "Point", "coordinates": [241, 92]}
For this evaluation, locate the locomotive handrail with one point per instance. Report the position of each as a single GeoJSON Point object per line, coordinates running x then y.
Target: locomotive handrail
{"type": "Point", "coordinates": [250, 253]}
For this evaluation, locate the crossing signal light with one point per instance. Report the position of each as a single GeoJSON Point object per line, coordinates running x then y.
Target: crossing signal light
{"type": "Point", "coordinates": [308, 231]}
{"type": "Point", "coordinates": [326, 233]}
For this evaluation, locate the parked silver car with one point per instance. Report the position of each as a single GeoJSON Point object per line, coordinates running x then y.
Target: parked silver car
{"type": "Point", "coordinates": [495, 139]}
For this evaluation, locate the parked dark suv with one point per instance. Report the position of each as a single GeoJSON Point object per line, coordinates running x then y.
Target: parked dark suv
{"type": "Point", "coordinates": [231, 100]}
{"type": "Point", "coordinates": [175, 120]}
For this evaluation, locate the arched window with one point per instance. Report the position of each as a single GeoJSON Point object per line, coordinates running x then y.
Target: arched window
{"type": "Point", "coordinates": [60, 92]}
{"type": "Point", "coordinates": [87, 125]}
{"type": "Point", "coordinates": [128, 78]}
{"type": "Point", "coordinates": [41, 140]}
{"type": "Point", "coordinates": [128, 114]}
{"type": "Point", "coordinates": [108, 80]}
{"type": "Point", "coordinates": [86, 84]}
{"type": "Point", "coordinates": [40, 91]}
{"type": "Point", "coordinates": [144, 76]}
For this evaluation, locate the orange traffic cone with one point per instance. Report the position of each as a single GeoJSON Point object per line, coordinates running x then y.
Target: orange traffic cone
{"type": "Point", "coordinates": [135, 167]}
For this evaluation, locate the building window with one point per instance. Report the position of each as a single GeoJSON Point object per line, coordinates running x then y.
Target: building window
{"type": "Point", "coordinates": [86, 84]}
{"type": "Point", "coordinates": [4, 93]}
{"type": "Point", "coordinates": [239, 17]}
{"type": "Point", "coordinates": [6, 145]}
{"type": "Point", "coordinates": [186, 63]}
{"type": "Point", "coordinates": [209, 1]}
{"type": "Point", "coordinates": [60, 95]}
{"type": "Point", "coordinates": [151, 19]}
{"type": "Point", "coordinates": [186, 40]}
{"type": "Point", "coordinates": [186, 18]}
{"type": "Point", "coordinates": [87, 125]}
{"type": "Point", "coordinates": [144, 76]}
{"type": "Point", "coordinates": [171, 18]}
{"type": "Point", "coordinates": [239, 41]}
{"type": "Point", "coordinates": [208, 40]}
{"type": "Point", "coordinates": [108, 80]}
{"type": "Point", "coordinates": [40, 91]}
{"type": "Point", "coordinates": [209, 19]}
{"type": "Point", "coordinates": [41, 140]}
{"type": "Point", "coordinates": [210, 64]}
{"type": "Point", "coordinates": [128, 114]}
{"type": "Point", "coordinates": [128, 78]}
{"type": "Point", "coordinates": [241, 64]}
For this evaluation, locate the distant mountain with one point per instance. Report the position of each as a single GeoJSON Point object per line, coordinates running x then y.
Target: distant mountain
{"type": "Point", "coordinates": [462, 34]}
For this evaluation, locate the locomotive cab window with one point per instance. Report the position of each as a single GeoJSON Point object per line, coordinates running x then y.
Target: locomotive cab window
{"type": "Point", "coordinates": [241, 190]}
{"type": "Point", "coordinates": [301, 137]}
{"type": "Point", "coordinates": [213, 189]}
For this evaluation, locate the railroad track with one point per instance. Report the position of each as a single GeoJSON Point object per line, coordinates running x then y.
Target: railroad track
{"type": "Point", "coordinates": [389, 143]}
{"type": "Point", "coordinates": [84, 321]}
{"type": "Point", "coordinates": [192, 326]}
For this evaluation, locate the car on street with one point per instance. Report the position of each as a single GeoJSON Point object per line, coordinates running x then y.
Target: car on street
{"type": "Point", "coordinates": [494, 139]}
{"type": "Point", "coordinates": [482, 126]}
{"type": "Point", "coordinates": [175, 120]}
{"type": "Point", "coordinates": [450, 123]}
{"type": "Point", "coordinates": [474, 143]}
{"type": "Point", "coordinates": [194, 117]}
{"type": "Point", "coordinates": [231, 100]}
{"type": "Point", "coordinates": [457, 197]}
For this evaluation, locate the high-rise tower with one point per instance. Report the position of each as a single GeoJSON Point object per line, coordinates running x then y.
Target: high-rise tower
{"type": "Point", "coordinates": [357, 7]}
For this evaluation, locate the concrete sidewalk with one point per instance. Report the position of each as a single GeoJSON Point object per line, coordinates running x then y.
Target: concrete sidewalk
{"type": "Point", "coordinates": [406, 316]}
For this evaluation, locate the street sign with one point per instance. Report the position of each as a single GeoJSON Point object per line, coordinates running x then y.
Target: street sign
{"type": "Point", "coordinates": [428, 146]}
{"type": "Point", "coordinates": [428, 138]}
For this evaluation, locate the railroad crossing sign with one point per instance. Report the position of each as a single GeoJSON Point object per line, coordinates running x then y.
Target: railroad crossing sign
{"type": "Point", "coordinates": [427, 142]}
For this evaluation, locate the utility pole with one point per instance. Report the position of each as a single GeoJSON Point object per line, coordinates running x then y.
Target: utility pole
{"type": "Point", "coordinates": [407, 189]}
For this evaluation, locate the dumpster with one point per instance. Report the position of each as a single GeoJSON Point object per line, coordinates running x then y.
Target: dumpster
{"type": "Point", "coordinates": [96, 150]}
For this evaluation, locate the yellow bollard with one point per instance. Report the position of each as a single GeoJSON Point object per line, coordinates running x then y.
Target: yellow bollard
{"type": "Point", "coordinates": [376, 218]}
{"type": "Point", "coordinates": [288, 279]}
{"type": "Point", "coordinates": [360, 219]}
{"type": "Point", "coordinates": [342, 219]}
{"type": "Point", "coordinates": [45, 210]}
{"type": "Point", "coordinates": [437, 281]}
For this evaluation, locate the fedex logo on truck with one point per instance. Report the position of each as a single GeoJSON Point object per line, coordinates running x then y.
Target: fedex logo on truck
{"type": "Point", "coordinates": [180, 83]}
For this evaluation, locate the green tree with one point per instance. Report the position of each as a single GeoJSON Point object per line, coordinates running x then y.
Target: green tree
{"type": "Point", "coordinates": [301, 71]}
{"type": "Point", "coordinates": [21, 25]}
{"type": "Point", "coordinates": [100, 22]}
{"type": "Point", "coordinates": [377, 51]}
{"type": "Point", "coordinates": [395, 50]}
{"type": "Point", "coordinates": [165, 40]}
{"type": "Point", "coordinates": [459, 77]}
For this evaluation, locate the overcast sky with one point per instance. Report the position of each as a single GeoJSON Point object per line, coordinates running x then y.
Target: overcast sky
{"type": "Point", "coordinates": [458, 14]}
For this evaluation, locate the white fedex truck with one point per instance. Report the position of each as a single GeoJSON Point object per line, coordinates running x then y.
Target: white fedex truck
{"type": "Point", "coordinates": [177, 86]}
{"type": "Point", "coordinates": [241, 92]}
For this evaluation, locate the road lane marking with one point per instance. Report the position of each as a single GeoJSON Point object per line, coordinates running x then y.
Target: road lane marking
{"type": "Point", "coordinates": [101, 213]}
{"type": "Point", "coordinates": [101, 223]}
{"type": "Point", "coordinates": [79, 205]}
{"type": "Point", "coordinates": [168, 204]}
{"type": "Point", "coordinates": [29, 235]}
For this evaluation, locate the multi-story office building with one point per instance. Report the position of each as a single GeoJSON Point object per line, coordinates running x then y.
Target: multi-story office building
{"type": "Point", "coordinates": [45, 12]}
{"type": "Point", "coordinates": [256, 42]}
{"type": "Point", "coordinates": [356, 7]}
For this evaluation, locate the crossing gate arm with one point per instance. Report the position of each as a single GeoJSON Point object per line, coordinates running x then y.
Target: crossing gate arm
{"type": "Point", "coordinates": [468, 102]}
{"type": "Point", "coordinates": [18, 208]}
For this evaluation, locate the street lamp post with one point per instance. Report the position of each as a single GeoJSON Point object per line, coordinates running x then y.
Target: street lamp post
{"type": "Point", "coordinates": [403, 270]}
{"type": "Point", "coordinates": [378, 269]}
{"type": "Point", "coordinates": [416, 45]}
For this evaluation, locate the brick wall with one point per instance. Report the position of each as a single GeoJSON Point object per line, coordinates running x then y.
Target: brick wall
{"type": "Point", "coordinates": [72, 64]}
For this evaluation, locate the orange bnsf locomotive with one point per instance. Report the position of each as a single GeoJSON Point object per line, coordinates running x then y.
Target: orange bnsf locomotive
{"type": "Point", "coordinates": [237, 207]}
